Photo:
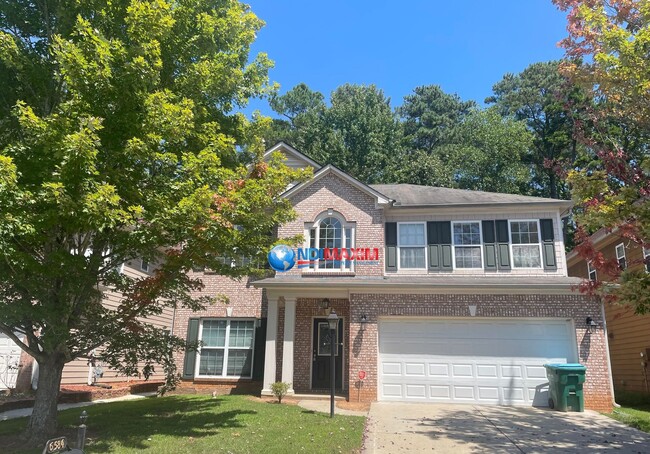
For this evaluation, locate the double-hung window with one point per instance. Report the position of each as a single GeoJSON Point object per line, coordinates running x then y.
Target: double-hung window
{"type": "Point", "coordinates": [620, 256]}
{"type": "Point", "coordinates": [525, 244]}
{"type": "Point", "coordinates": [226, 348]}
{"type": "Point", "coordinates": [646, 258]}
{"type": "Point", "coordinates": [411, 242]}
{"type": "Point", "coordinates": [467, 244]}
{"type": "Point", "coordinates": [333, 235]}
{"type": "Point", "coordinates": [591, 270]}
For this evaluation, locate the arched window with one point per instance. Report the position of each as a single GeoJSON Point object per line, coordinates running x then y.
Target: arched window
{"type": "Point", "coordinates": [331, 233]}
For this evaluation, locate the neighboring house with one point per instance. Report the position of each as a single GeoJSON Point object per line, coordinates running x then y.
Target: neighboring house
{"type": "Point", "coordinates": [459, 296]}
{"type": "Point", "coordinates": [78, 371]}
{"type": "Point", "coordinates": [628, 334]}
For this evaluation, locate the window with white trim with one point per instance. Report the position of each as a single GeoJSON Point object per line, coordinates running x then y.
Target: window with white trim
{"type": "Point", "coordinates": [620, 256]}
{"type": "Point", "coordinates": [332, 233]}
{"type": "Point", "coordinates": [591, 271]}
{"type": "Point", "coordinates": [411, 243]}
{"type": "Point", "coordinates": [525, 245]}
{"type": "Point", "coordinates": [144, 265]}
{"type": "Point", "coordinates": [646, 258]}
{"type": "Point", "coordinates": [467, 244]}
{"type": "Point", "coordinates": [226, 348]}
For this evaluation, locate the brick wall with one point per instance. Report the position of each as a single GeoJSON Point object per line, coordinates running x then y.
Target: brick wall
{"type": "Point", "coordinates": [245, 301]}
{"type": "Point", "coordinates": [591, 347]}
{"type": "Point", "coordinates": [355, 205]}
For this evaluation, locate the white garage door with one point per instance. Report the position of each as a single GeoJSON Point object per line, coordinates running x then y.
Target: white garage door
{"type": "Point", "coordinates": [486, 361]}
{"type": "Point", "coordinates": [9, 359]}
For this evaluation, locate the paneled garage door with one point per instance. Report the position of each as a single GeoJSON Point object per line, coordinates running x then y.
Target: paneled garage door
{"type": "Point", "coordinates": [486, 361]}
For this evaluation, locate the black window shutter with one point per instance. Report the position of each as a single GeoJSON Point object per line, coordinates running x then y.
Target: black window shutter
{"type": "Point", "coordinates": [433, 245]}
{"type": "Point", "coordinates": [548, 244]}
{"type": "Point", "coordinates": [445, 246]}
{"type": "Point", "coordinates": [503, 251]}
{"type": "Point", "coordinates": [390, 232]}
{"type": "Point", "coordinates": [190, 353]}
{"type": "Point", "coordinates": [489, 246]}
{"type": "Point", "coordinates": [260, 347]}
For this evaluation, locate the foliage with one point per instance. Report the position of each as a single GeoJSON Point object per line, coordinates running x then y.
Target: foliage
{"type": "Point", "coordinates": [607, 50]}
{"type": "Point", "coordinates": [358, 132]}
{"type": "Point", "coordinates": [118, 141]}
{"type": "Point", "coordinates": [195, 423]}
{"type": "Point", "coordinates": [280, 389]}
{"type": "Point", "coordinates": [430, 117]}
{"type": "Point", "coordinates": [550, 106]}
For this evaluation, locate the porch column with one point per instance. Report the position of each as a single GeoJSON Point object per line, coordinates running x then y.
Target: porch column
{"type": "Point", "coordinates": [287, 351]}
{"type": "Point", "coordinates": [271, 338]}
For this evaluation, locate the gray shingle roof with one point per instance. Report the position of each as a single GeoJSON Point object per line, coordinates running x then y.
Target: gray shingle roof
{"type": "Point", "coordinates": [416, 195]}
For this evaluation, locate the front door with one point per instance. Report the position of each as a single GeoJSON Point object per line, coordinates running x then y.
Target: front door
{"type": "Point", "coordinates": [321, 358]}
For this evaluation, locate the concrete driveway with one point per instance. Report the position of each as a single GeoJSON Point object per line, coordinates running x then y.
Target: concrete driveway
{"type": "Point", "coordinates": [410, 427]}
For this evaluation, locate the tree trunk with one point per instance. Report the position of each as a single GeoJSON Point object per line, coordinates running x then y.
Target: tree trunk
{"type": "Point", "coordinates": [43, 422]}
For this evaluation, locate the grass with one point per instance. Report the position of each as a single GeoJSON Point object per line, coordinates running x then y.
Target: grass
{"type": "Point", "coordinates": [634, 410]}
{"type": "Point", "coordinates": [203, 424]}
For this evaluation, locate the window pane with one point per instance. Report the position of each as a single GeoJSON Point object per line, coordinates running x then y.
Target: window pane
{"type": "Point", "coordinates": [411, 234]}
{"type": "Point", "coordinates": [241, 333]}
{"type": "Point", "coordinates": [524, 232]}
{"type": "Point", "coordinates": [330, 236]}
{"type": "Point", "coordinates": [467, 233]}
{"type": "Point", "coordinates": [411, 257]}
{"type": "Point", "coordinates": [526, 256]}
{"type": "Point", "coordinates": [211, 362]}
{"type": "Point", "coordinates": [239, 363]}
{"type": "Point", "coordinates": [214, 333]}
{"type": "Point", "coordinates": [468, 257]}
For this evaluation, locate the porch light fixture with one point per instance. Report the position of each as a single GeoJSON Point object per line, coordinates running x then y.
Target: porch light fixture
{"type": "Point", "coordinates": [332, 321]}
{"type": "Point", "coordinates": [363, 319]}
{"type": "Point", "coordinates": [591, 324]}
{"type": "Point", "coordinates": [325, 303]}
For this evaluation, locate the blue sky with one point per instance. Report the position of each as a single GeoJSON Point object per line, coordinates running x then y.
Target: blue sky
{"type": "Point", "coordinates": [465, 46]}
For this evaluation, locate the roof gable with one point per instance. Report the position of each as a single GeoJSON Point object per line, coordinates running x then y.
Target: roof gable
{"type": "Point", "coordinates": [329, 169]}
{"type": "Point", "coordinates": [295, 158]}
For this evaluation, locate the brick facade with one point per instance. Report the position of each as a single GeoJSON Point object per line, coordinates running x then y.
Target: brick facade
{"type": "Point", "coordinates": [360, 349]}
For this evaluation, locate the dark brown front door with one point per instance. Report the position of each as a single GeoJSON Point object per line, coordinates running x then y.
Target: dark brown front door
{"type": "Point", "coordinates": [320, 377]}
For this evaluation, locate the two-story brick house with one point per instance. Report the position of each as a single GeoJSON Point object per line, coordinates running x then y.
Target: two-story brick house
{"type": "Point", "coordinates": [628, 333]}
{"type": "Point", "coordinates": [444, 296]}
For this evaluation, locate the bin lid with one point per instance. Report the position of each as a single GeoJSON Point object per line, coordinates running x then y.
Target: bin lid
{"type": "Point", "coordinates": [572, 366]}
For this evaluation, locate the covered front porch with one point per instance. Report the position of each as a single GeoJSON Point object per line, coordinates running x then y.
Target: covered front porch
{"type": "Point", "coordinates": [298, 344]}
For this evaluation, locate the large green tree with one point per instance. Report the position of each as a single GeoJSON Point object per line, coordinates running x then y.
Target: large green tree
{"type": "Point", "coordinates": [358, 132]}
{"type": "Point", "coordinates": [431, 118]}
{"type": "Point", "coordinates": [549, 105]}
{"type": "Point", "coordinates": [118, 140]}
{"type": "Point", "coordinates": [607, 55]}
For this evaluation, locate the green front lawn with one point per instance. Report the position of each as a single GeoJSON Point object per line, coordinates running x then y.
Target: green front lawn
{"type": "Point", "coordinates": [203, 424]}
{"type": "Point", "coordinates": [634, 411]}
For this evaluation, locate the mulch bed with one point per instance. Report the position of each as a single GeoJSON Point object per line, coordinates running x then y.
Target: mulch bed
{"type": "Point", "coordinates": [81, 393]}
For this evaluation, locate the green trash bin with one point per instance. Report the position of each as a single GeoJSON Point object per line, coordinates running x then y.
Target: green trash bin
{"type": "Point", "coordinates": [565, 386]}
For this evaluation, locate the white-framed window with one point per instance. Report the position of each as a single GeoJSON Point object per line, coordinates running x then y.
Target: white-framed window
{"type": "Point", "coordinates": [591, 271]}
{"type": "Point", "coordinates": [411, 245]}
{"type": "Point", "coordinates": [646, 258]}
{"type": "Point", "coordinates": [525, 245]}
{"type": "Point", "coordinates": [144, 265]}
{"type": "Point", "coordinates": [226, 348]}
{"type": "Point", "coordinates": [620, 256]}
{"type": "Point", "coordinates": [467, 244]}
{"type": "Point", "coordinates": [333, 233]}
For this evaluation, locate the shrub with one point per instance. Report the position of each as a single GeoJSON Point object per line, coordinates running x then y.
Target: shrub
{"type": "Point", "coordinates": [280, 389]}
